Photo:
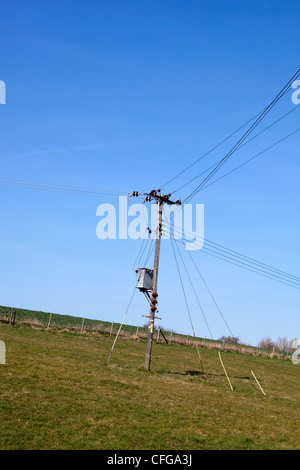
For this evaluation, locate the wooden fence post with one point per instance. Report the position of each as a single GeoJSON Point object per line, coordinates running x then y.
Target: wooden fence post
{"type": "Point", "coordinates": [111, 328]}
{"type": "Point", "coordinates": [49, 322]}
{"type": "Point", "coordinates": [13, 317]}
{"type": "Point", "coordinates": [82, 326]}
{"type": "Point", "coordinates": [158, 331]}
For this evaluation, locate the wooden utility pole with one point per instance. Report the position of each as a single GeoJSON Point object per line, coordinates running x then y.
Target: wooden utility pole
{"type": "Point", "coordinates": [153, 300]}
{"type": "Point", "coordinates": [160, 199]}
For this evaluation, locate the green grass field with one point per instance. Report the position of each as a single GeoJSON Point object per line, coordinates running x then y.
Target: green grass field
{"type": "Point", "coordinates": [58, 393]}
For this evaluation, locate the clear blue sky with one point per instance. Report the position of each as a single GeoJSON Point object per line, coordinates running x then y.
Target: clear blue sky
{"type": "Point", "coordinates": [122, 95]}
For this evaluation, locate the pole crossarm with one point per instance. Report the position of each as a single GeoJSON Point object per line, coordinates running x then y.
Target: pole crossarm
{"type": "Point", "coordinates": [158, 196]}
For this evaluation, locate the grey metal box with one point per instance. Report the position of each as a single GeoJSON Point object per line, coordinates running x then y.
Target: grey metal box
{"type": "Point", "coordinates": [145, 279]}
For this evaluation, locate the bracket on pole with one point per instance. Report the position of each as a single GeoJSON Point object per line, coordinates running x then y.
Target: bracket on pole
{"type": "Point", "coordinates": [148, 316]}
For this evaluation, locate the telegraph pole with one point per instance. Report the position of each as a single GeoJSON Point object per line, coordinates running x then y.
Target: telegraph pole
{"type": "Point", "coordinates": [153, 299]}
{"type": "Point", "coordinates": [161, 200]}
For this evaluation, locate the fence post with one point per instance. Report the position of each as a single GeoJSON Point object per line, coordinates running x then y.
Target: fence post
{"type": "Point", "coordinates": [171, 337]}
{"type": "Point", "coordinates": [82, 326]}
{"type": "Point", "coordinates": [137, 331]}
{"type": "Point", "coordinates": [49, 322]}
{"type": "Point", "coordinates": [111, 328]}
{"type": "Point", "coordinates": [158, 331]}
{"type": "Point", "coordinates": [13, 317]}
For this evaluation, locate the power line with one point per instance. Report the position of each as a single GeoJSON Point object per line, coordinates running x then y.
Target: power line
{"type": "Point", "coordinates": [141, 252]}
{"type": "Point", "coordinates": [194, 290]}
{"type": "Point", "coordinates": [60, 188]}
{"type": "Point", "coordinates": [244, 137]}
{"type": "Point", "coordinates": [249, 267]}
{"type": "Point", "coordinates": [247, 161]}
{"type": "Point", "coordinates": [186, 303]}
{"type": "Point", "coordinates": [150, 251]}
{"type": "Point", "coordinates": [214, 148]}
{"type": "Point", "coordinates": [210, 294]}
{"type": "Point", "coordinates": [243, 264]}
{"type": "Point", "coordinates": [245, 143]}
{"type": "Point", "coordinates": [219, 310]}
{"type": "Point", "coordinates": [236, 254]}
{"type": "Point", "coordinates": [250, 159]}
{"type": "Point", "coordinates": [121, 325]}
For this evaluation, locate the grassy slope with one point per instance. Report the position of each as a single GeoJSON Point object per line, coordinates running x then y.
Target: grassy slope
{"type": "Point", "coordinates": [58, 393]}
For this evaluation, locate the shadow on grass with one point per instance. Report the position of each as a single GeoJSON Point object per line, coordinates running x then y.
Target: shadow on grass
{"type": "Point", "coordinates": [197, 372]}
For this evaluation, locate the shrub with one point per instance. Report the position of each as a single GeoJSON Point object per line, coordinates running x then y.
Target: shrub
{"type": "Point", "coordinates": [230, 339]}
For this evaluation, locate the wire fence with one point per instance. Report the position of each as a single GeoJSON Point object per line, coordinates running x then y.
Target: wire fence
{"type": "Point", "coordinates": [55, 321]}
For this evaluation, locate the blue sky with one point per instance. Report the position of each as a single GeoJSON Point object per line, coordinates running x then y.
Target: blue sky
{"type": "Point", "coordinates": [122, 96]}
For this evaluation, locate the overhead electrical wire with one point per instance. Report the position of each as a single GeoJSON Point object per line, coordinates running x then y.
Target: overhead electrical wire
{"type": "Point", "coordinates": [207, 288]}
{"type": "Point", "coordinates": [187, 305]}
{"type": "Point", "coordinates": [235, 253]}
{"type": "Point", "coordinates": [215, 147]}
{"type": "Point", "coordinates": [151, 249]}
{"type": "Point", "coordinates": [209, 291]}
{"type": "Point", "coordinates": [244, 163]}
{"type": "Point", "coordinates": [194, 290]}
{"type": "Point", "coordinates": [249, 160]}
{"type": "Point", "coordinates": [61, 188]}
{"type": "Point", "coordinates": [244, 137]}
{"type": "Point", "coordinates": [121, 325]}
{"type": "Point", "coordinates": [141, 252]}
{"type": "Point", "coordinates": [243, 145]}
{"type": "Point", "coordinates": [248, 267]}
{"type": "Point", "coordinates": [244, 263]}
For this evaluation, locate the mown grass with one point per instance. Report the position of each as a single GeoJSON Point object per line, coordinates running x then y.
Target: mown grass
{"type": "Point", "coordinates": [58, 393]}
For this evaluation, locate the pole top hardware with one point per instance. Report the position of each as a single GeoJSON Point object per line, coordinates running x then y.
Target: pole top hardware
{"type": "Point", "coordinates": [163, 198]}
{"type": "Point", "coordinates": [158, 196]}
